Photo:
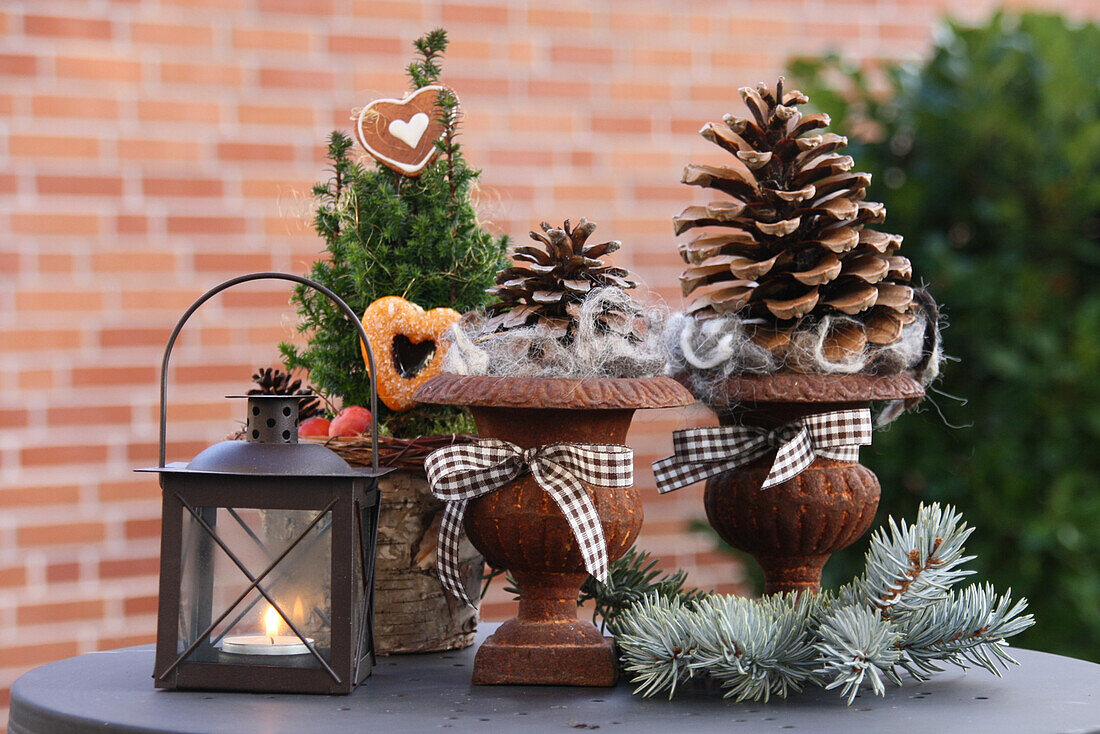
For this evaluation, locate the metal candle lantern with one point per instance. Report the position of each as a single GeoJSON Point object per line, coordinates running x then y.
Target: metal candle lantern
{"type": "Point", "coordinates": [267, 553]}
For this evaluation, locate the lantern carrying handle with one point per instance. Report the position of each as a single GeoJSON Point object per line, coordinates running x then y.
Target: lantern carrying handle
{"type": "Point", "coordinates": [341, 304]}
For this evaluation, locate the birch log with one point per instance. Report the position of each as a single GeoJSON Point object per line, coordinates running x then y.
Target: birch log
{"type": "Point", "coordinates": [412, 611]}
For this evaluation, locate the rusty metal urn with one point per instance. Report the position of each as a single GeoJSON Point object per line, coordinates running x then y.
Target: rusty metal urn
{"type": "Point", "coordinates": [791, 529]}
{"type": "Point", "coordinates": [519, 527]}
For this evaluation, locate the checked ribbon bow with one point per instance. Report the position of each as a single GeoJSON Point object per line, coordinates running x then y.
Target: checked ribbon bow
{"type": "Point", "coordinates": [460, 473]}
{"type": "Point", "coordinates": [701, 453]}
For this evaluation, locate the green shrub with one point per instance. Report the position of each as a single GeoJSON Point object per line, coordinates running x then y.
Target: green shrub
{"type": "Point", "coordinates": [987, 156]}
{"type": "Point", "coordinates": [388, 235]}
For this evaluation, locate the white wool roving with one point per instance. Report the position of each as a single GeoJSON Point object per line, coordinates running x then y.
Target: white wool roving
{"type": "Point", "coordinates": [635, 349]}
{"type": "Point", "coordinates": [707, 352]}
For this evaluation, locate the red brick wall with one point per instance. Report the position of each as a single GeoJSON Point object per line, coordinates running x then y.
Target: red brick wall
{"type": "Point", "coordinates": [151, 149]}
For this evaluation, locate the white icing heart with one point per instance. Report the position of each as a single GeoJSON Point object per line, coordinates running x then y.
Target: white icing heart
{"type": "Point", "coordinates": [410, 132]}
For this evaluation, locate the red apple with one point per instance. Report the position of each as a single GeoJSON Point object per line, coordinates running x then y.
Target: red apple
{"type": "Point", "coordinates": [316, 426]}
{"type": "Point", "coordinates": [352, 421]}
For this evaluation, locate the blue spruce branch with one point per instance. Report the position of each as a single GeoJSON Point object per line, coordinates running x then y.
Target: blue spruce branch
{"type": "Point", "coordinates": [857, 643]}
{"type": "Point", "coordinates": [900, 615]}
{"type": "Point", "coordinates": [969, 626]}
{"type": "Point", "coordinates": [912, 566]}
{"type": "Point", "coordinates": [656, 644]}
{"type": "Point", "coordinates": [756, 649]}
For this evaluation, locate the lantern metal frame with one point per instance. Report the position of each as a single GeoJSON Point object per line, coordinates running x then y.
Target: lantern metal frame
{"type": "Point", "coordinates": [255, 476]}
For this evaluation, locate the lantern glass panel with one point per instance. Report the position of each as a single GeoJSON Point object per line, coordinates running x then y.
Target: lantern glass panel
{"type": "Point", "coordinates": [229, 556]}
{"type": "Point", "coordinates": [362, 568]}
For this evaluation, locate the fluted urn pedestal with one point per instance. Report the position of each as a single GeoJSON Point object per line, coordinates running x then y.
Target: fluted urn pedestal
{"type": "Point", "coordinates": [791, 529]}
{"type": "Point", "coordinates": [521, 528]}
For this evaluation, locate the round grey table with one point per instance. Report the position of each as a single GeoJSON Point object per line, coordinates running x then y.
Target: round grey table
{"type": "Point", "coordinates": [113, 691]}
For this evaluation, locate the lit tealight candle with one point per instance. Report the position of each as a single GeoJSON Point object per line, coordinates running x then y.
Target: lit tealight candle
{"type": "Point", "coordinates": [271, 643]}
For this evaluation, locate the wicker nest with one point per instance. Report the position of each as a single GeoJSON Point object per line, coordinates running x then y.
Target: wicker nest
{"type": "Point", "coordinates": [396, 453]}
{"type": "Point", "coordinates": [399, 453]}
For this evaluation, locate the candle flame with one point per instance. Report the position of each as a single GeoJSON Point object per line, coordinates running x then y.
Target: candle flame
{"type": "Point", "coordinates": [271, 621]}
{"type": "Point", "coordinates": [299, 613]}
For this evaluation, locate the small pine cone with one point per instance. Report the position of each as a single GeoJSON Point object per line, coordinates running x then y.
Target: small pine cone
{"type": "Point", "coordinates": [790, 243]}
{"type": "Point", "coordinates": [273, 381]}
{"type": "Point", "coordinates": [550, 279]}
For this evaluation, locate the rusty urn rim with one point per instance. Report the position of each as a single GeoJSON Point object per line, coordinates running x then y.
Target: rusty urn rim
{"type": "Point", "coordinates": [609, 393]}
{"type": "Point", "coordinates": [792, 387]}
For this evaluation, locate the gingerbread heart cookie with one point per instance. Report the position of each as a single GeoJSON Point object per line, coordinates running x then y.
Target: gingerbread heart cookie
{"type": "Point", "coordinates": [408, 347]}
{"type": "Point", "coordinates": [401, 133]}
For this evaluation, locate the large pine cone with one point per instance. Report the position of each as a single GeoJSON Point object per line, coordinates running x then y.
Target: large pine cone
{"type": "Point", "coordinates": [791, 244]}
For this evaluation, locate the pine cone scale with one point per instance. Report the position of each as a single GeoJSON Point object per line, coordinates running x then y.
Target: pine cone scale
{"type": "Point", "coordinates": [779, 229]}
{"type": "Point", "coordinates": [731, 179]}
{"type": "Point", "coordinates": [802, 194]}
{"type": "Point", "coordinates": [853, 298]}
{"type": "Point", "coordinates": [794, 308]}
{"type": "Point", "coordinates": [724, 138]}
{"type": "Point", "coordinates": [825, 271]}
{"type": "Point", "coordinates": [882, 326]}
{"type": "Point", "coordinates": [893, 296]}
{"type": "Point", "coordinates": [705, 247]}
{"type": "Point", "coordinates": [722, 300]}
{"type": "Point", "coordinates": [715, 214]}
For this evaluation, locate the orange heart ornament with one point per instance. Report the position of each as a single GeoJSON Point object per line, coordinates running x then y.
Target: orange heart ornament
{"type": "Point", "coordinates": [401, 133]}
{"type": "Point", "coordinates": [408, 347]}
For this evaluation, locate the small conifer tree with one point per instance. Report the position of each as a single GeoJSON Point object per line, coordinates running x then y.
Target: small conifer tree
{"type": "Point", "coordinates": [386, 234]}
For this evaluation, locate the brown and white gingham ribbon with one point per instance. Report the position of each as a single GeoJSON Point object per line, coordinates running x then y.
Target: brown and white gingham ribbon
{"type": "Point", "coordinates": [460, 473]}
{"type": "Point", "coordinates": [701, 453]}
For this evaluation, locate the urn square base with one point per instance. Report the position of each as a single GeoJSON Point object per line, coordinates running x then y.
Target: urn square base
{"type": "Point", "coordinates": [566, 664]}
